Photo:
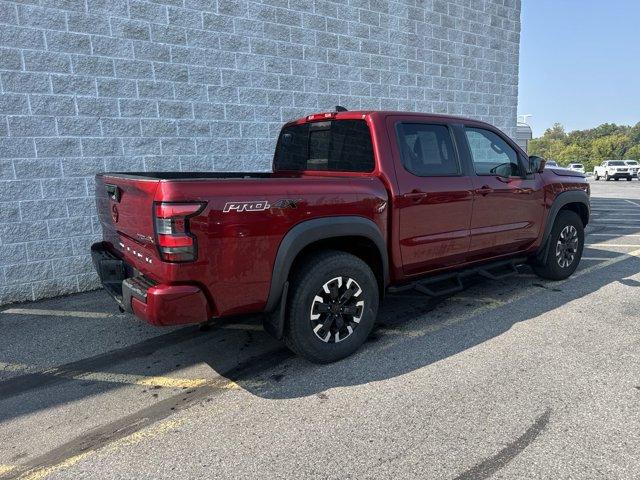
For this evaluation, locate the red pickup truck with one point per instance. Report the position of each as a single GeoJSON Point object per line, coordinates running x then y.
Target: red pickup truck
{"type": "Point", "coordinates": [358, 204]}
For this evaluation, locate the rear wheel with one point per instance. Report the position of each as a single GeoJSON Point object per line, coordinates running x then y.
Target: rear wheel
{"type": "Point", "coordinates": [607, 177]}
{"type": "Point", "coordinates": [333, 306]}
{"type": "Point", "coordinates": [628, 179]}
{"type": "Point", "coordinates": [596, 176]}
{"type": "Point", "coordinates": [565, 246]}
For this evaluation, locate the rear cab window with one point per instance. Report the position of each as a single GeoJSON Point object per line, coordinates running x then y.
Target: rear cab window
{"type": "Point", "coordinates": [332, 145]}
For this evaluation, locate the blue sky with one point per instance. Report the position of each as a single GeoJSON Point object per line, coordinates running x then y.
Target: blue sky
{"type": "Point", "coordinates": [580, 63]}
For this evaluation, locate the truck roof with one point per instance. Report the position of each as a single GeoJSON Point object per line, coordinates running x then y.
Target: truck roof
{"type": "Point", "coordinates": [361, 114]}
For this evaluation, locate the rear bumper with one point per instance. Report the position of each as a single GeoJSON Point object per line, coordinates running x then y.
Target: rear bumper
{"type": "Point", "coordinates": [153, 302]}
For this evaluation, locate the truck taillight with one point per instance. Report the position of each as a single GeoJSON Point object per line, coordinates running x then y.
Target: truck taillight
{"type": "Point", "coordinates": [173, 237]}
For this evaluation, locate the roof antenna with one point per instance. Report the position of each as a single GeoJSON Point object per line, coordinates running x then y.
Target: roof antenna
{"type": "Point", "coordinates": [340, 108]}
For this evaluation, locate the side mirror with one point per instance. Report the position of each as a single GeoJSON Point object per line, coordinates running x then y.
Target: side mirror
{"type": "Point", "coordinates": [536, 164]}
{"type": "Point", "coordinates": [503, 170]}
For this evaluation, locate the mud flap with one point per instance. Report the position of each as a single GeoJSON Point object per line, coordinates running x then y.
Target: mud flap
{"type": "Point", "coordinates": [273, 322]}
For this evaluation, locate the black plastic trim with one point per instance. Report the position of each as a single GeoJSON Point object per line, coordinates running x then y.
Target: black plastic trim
{"type": "Point", "coordinates": [311, 231]}
{"type": "Point", "coordinates": [564, 198]}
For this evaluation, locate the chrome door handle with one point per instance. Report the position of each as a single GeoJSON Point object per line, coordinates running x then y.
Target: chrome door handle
{"type": "Point", "coordinates": [415, 195]}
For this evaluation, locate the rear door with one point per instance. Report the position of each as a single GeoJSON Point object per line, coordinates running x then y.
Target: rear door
{"type": "Point", "coordinates": [435, 195]}
{"type": "Point", "coordinates": [508, 204]}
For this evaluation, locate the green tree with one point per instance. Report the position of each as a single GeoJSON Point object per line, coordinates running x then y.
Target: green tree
{"type": "Point", "coordinates": [633, 153]}
{"type": "Point", "coordinates": [610, 147]}
{"type": "Point", "coordinates": [556, 132]}
{"type": "Point", "coordinates": [589, 147]}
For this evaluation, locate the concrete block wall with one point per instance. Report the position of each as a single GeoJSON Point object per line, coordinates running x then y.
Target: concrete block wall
{"type": "Point", "coordinates": [94, 85]}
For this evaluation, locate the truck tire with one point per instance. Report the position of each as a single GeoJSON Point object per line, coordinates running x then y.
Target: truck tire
{"type": "Point", "coordinates": [606, 176]}
{"type": "Point", "coordinates": [596, 176]}
{"type": "Point", "coordinates": [332, 308]}
{"type": "Point", "coordinates": [628, 179]}
{"type": "Point", "coordinates": [565, 246]}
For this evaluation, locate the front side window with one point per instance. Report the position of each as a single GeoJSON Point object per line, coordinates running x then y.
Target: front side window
{"type": "Point", "coordinates": [427, 150]}
{"type": "Point", "coordinates": [491, 154]}
{"type": "Point", "coordinates": [334, 145]}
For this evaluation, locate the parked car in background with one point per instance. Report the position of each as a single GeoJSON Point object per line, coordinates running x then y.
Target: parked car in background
{"type": "Point", "coordinates": [576, 167]}
{"type": "Point", "coordinates": [633, 167]}
{"type": "Point", "coordinates": [551, 163]}
{"type": "Point", "coordinates": [615, 169]}
{"type": "Point", "coordinates": [357, 204]}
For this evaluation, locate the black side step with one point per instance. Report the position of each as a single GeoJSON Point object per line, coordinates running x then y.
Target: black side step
{"type": "Point", "coordinates": [452, 282]}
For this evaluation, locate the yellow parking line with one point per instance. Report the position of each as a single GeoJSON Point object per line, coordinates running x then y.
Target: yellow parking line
{"type": "Point", "coordinates": [109, 377]}
{"type": "Point", "coordinates": [605, 244]}
{"type": "Point", "coordinates": [131, 379]}
{"type": "Point", "coordinates": [59, 313]}
{"type": "Point", "coordinates": [15, 367]}
{"type": "Point", "coordinates": [612, 235]}
{"type": "Point", "coordinates": [46, 471]}
{"type": "Point", "coordinates": [6, 468]}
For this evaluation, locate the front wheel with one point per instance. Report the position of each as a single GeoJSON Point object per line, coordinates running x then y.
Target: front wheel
{"type": "Point", "coordinates": [333, 306]}
{"type": "Point", "coordinates": [607, 177]}
{"type": "Point", "coordinates": [596, 177]}
{"type": "Point", "coordinates": [564, 247]}
{"type": "Point", "coordinates": [628, 179]}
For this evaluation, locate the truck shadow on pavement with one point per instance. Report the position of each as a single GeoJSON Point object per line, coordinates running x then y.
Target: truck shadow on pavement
{"type": "Point", "coordinates": [413, 332]}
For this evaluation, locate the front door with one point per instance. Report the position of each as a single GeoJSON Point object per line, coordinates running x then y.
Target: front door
{"type": "Point", "coordinates": [508, 205]}
{"type": "Point", "coordinates": [435, 196]}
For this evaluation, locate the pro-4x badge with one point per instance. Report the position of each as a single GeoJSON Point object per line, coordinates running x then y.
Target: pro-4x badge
{"type": "Point", "coordinates": [259, 205]}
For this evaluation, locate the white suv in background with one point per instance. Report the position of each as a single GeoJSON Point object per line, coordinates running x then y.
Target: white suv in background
{"type": "Point", "coordinates": [609, 169]}
{"type": "Point", "coordinates": [633, 167]}
{"type": "Point", "coordinates": [576, 167]}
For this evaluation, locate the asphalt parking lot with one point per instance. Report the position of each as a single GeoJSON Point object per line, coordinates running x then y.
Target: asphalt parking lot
{"type": "Point", "coordinates": [519, 378]}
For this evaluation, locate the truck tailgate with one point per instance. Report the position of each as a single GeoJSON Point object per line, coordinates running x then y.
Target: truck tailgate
{"type": "Point", "coordinates": [125, 211]}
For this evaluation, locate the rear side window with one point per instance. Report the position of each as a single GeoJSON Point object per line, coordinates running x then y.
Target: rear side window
{"type": "Point", "coordinates": [335, 145]}
{"type": "Point", "coordinates": [427, 150]}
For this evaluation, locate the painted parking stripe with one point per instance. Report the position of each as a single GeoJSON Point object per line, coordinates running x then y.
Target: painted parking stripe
{"type": "Point", "coordinates": [4, 469]}
{"type": "Point", "coordinates": [109, 377]}
{"type": "Point", "coordinates": [60, 313]}
{"type": "Point", "coordinates": [614, 226]}
{"type": "Point", "coordinates": [16, 367]}
{"type": "Point", "coordinates": [604, 244]}
{"type": "Point", "coordinates": [612, 235]}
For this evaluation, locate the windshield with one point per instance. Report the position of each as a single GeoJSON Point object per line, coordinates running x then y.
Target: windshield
{"type": "Point", "coordinates": [617, 163]}
{"type": "Point", "coordinates": [334, 145]}
{"type": "Point", "coordinates": [576, 165]}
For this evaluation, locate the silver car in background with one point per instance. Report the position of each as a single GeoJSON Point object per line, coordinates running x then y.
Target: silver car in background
{"type": "Point", "coordinates": [576, 167]}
